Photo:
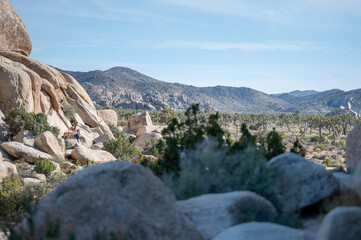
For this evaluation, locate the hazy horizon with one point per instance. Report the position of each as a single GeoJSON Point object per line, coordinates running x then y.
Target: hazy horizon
{"type": "Point", "coordinates": [271, 47]}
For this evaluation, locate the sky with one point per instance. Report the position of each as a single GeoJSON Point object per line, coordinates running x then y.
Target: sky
{"type": "Point", "coordinates": [271, 46]}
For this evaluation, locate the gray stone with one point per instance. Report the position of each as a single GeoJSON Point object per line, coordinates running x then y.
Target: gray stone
{"type": "Point", "coordinates": [341, 223]}
{"type": "Point", "coordinates": [213, 213]}
{"type": "Point", "coordinates": [353, 148]}
{"type": "Point", "coordinates": [299, 182]}
{"type": "Point", "coordinates": [117, 197]}
{"type": "Point", "coordinates": [263, 231]}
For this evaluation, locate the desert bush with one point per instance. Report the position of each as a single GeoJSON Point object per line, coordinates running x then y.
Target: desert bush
{"type": "Point", "coordinates": [322, 147]}
{"type": "Point", "coordinates": [69, 111]}
{"type": "Point", "coordinates": [10, 190]}
{"type": "Point", "coordinates": [151, 147]}
{"type": "Point", "coordinates": [318, 139]}
{"type": "Point", "coordinates": [298, 148]}
{"type": "Point", "coordinates": [44, 167]}
{"type": "Point", "coordinates": [327, 162]}
{"type": "Point", "coordinates": [121, 148]}
{"type": "Point", "coordinates": [209, 168]}
{"type": "Point", "coordinates": [18, 119]}
{"type": "Point", "coordinates": [122, 123]}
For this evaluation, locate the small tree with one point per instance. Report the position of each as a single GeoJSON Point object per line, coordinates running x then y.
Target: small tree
{"type": "Point", "coordinates": [298, 148]}
{"type": "Point", "coordinates": [274, 145]}
{"type": "Point", "coordinates": [121, 148]}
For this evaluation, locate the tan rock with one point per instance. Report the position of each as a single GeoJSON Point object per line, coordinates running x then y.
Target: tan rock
{"type": "Point", "coordinates": [49, 144]}
{"type": "Point", "coordinates": [80, 154]}
{"type": "Point", "coordinates": [7, 170]}
{"type": "Point", "coordinates": [26, 137]}
{"type": "Point", "coordinates": [102, 138]}
{"type": "Point", "coordinates": [31, 181]}
{"type": "Point", "coordinates": [137, 121]}
{"type": "Point", "coordinates": [109, 116]}
{"type": "Point", "coordinates": [141, 141]}
{"type": "Point", "coordinates": [29, 154]}
{"type": "Point", "coordinates": [13, 34]}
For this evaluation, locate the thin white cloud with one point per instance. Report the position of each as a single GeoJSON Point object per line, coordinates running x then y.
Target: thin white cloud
{"type": "Point", "coordinates": [241, 46]}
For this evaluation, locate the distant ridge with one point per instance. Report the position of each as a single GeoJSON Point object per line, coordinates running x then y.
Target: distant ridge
{"type": "Point", "coordinates": [127, 88]}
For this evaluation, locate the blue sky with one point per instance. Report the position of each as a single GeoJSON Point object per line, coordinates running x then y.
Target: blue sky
{"type": "Point", "coordinates": [272, 46]}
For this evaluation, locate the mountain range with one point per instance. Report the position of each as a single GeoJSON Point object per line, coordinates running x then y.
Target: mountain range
{"type": "Point", "coordinates": [125, 88]}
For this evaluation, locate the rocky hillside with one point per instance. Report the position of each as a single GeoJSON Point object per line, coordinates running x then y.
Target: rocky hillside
{"type": "Point", "coordinates": [126, 88]}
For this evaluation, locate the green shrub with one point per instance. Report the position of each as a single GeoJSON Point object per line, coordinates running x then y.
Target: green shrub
{"type": "Point", "coordinates": [274, 145]}
{"type": "Point", "coordinates": [327, 162]}
{"type": "Point", "coordinates": [318, 139]}
{"type": "Point", "coordinates": [121, 148]}
{"type": "Point", "coordinates": [298, 148]}
{"type": "Point", "coordinates": [10, 190]}
{"type": "Point", "coordinates": [18, 119]}
{"type": "Point", "coordinates": [322, 147]}
{"type": "Point", "coordinates": [210, 168]}
{"type": "Point", "coordinates": [69, 111]}
{"type": "Point", "coordinates": [44, 167]}
{"type": "Point", "coordinates": [122, 123]}
{"type": "Point", "coordinates": [151, 147]}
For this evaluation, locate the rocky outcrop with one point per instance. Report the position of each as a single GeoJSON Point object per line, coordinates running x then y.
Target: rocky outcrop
{"type": "Point", "coordinates": [353, 148]}
{"type": "Point", "coordinates": [7, 170]}
{"type": "Point", "coordinates": [81, 154]}
{"type": "Point", "coordinates": [341, 223]}
{"type": "Point", "coordinates": [116, 197]}
{"type": "Point", "coordinates": [40, 88]}
{"type": "Point", "coordinates": [137, 121]}
{"type": "Point", "coordinates": [263, 231]}
{"type": "Point", "coordinates": [300, 183]}
{"type": "Point", "coordinates": [49, 144]}
{"type": "Point", "coordinates": [29, 154]}
{"type": "Point", "coordinates": [13, 34]}
{"type": "Point", "coordinates": [109, 116]}
{"type": "Point", "coordinates": [213, 213]}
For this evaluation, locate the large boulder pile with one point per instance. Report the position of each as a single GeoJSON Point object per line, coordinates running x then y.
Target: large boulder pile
{"type": "Point", "coordinates": [213, 213]}
{"type": "Point", "coordinates": [117, 198]}
{"type": "Point", "coordinates": [300, 183]}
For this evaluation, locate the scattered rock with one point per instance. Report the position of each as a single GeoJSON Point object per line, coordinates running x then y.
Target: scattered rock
{"type": "Point", "coordinates": [13, 34]}
{"type": "Point", "coordinates": [141, 141]}
{"type": "Point", "coordinates": [109, 116]}
{"type": "Point", "coordinates": [29, 154]}
{"type": "Point", "coordinates": [66, 166]}
{"type": "Point", "coordinates": [353, 148]}
{"type": "Point", "coordinates": [300, 183]}
{"type": "Point", "coordinates": [102, 138]}
{"type": "Point", "coordinates": [49, 144]}
{"type": "Point", "coordinates": [121, 198]}
{"type": "Point", "coordinates": [213, 213]}
{"type": "Point", "coordinates": [146, 129]}
{"type": "Point", "coordinates": [31, 181]}
{"type": "Point", "coordinates": [26, 137]}
{"type": "Point", "coordinates": [98, 146]}
{"type": "Point", "coordinates": [260, 231]}
{"type": "Point", "coordinates": [7, 170]}
{"type": "Point", "coordinates": [341, 223]}
{"type": "Point", "coordinates": [4, 155]}
{"type": "Point", "coordinates": [81, 154]}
